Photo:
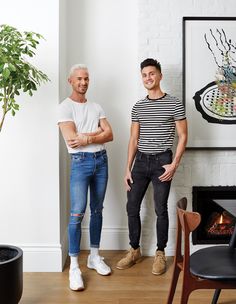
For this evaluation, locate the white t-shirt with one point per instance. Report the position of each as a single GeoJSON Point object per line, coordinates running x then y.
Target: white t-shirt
{"type": "Point", "coordinates": [86, 117]}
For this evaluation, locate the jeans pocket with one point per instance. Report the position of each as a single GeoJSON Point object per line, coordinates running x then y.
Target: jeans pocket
{"type": "Point", "coordinates": [140, 165]}
{"type": "Point", "coordinates": [76, 159]}
{"type": "Point", "coordinates": [104, 157]}
{"type": "Point", "coordinates": [165, 158]}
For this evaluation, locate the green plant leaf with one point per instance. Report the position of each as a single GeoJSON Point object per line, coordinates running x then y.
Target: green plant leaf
{"type": "Point", "coordinates": [17, 74]}
{"type": "Point", "coordinates": [16, 106]}
{"type": "Point", "coordinates": [11, 67]}
{"type": "Point", "coordinates": [6, 73]}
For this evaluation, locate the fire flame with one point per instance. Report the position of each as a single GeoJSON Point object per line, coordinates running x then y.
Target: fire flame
{"type": "Point", "coordinates": [221, 224]}
{"type": "Point", "coordinates": [221, 219]}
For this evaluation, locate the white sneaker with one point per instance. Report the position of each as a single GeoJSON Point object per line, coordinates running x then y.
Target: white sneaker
{"type": "Point", "coordinates": [98, 264]}
{"type": "Point", "coordinates": [75, 278]}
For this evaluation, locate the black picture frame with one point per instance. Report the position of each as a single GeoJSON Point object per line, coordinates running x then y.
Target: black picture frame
{"type": "Point", "coordinates": [209, 51]}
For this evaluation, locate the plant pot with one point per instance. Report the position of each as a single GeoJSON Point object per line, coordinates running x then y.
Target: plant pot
{"type": "Point", "coordinates": [11, 274]}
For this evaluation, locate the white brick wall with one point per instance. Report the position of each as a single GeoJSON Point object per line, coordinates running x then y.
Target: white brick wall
{"type": "Point", "coordinates": [160, 36]}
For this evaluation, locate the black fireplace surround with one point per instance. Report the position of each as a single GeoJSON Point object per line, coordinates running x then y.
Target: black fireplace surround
{"type": "Point", "coordinates": [204, 202]}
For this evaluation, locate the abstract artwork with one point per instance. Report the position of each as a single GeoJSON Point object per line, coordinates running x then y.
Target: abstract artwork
{"type": "Point", "coordinates": [209, 81]}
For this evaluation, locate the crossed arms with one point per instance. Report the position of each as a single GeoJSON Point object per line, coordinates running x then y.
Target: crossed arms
{"type": "Point", "coordinates": [75, 140]}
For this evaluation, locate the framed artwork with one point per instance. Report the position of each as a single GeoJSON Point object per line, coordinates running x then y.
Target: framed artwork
{"type": "Point", "coordinates": [209, 81]}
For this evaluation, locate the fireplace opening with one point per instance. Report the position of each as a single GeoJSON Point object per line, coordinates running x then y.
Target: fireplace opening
{"type": "Point", "coordinates": [217, 224]}
{"type": "Point", "coordinates": [220, 224]}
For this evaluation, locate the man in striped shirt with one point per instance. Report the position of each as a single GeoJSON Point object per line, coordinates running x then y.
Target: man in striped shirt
{"type": "Point", "coordinates": [154, 121]}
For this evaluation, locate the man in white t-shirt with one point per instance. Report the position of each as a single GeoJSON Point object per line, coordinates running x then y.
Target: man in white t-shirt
{"type": "Point", "coordinates": [85, 129]}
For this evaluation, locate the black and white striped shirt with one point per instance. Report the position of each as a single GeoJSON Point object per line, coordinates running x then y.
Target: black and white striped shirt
{"type": "Point", "coordinates": [156, 118]}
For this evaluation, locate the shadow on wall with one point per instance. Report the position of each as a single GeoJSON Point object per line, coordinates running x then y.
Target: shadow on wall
{"type": "Point", "coordinates": [118, 114]}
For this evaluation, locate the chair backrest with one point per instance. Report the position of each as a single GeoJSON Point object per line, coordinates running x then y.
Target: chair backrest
{"type": "Point", "coordinates": [189, 220]}
{"type": "Point", "coordinates": [182, 203]}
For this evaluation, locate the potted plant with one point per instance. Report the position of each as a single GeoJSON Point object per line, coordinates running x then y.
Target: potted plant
{"type": "Point", "coordinates": [11, 274]}
{"type": "Point", "coordinates": [17, 75]}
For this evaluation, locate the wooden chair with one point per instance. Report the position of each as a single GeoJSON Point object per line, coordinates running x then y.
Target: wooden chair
{"type": "Point", "coordinates": [209, 268]}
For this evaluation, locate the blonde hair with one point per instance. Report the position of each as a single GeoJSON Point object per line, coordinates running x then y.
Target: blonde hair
{"type": "Point", "coordinates": [78, 66]}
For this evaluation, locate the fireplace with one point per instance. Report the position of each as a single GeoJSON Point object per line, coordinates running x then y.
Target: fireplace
{"type": "Point", "coordinates": [217, 223]}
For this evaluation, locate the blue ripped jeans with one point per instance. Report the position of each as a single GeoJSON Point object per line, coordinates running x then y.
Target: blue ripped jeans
{"type": "Point", "coordinates": [88, 171]}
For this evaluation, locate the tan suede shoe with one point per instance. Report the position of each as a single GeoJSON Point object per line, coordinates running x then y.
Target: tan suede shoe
{"type": "Point", "coordinates": [159, 265]}
{"type": "Point", "coordinates": [132, 257]}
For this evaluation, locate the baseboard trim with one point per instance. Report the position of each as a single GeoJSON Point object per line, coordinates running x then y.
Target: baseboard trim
{"type": "Point", "coordinates": [42, 257]}
{"type": "Point", "coordinates": [117, 239]}
{"type": "Point", "coordinates": [52, 257]}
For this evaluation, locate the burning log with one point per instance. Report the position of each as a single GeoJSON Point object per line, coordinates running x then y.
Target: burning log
{"type": "Point", "coordinates": [220, 224]}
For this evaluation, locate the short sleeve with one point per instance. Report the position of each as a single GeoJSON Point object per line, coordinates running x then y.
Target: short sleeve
{"type": "Point", "coordinates": [134, 114]}
{"type": "Point", "coordinates": [179, 113]}
{"type": "Point", "coordinates": [101, 112]}
{"type": "Point", "coordinates": [64, 112]}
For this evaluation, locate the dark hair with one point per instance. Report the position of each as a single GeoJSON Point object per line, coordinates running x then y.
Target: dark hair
{"type": "Point", "coordinates": [150, 62]}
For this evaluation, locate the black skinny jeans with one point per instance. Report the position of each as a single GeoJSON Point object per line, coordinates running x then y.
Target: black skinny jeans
{"type": "Point", "coordinates": [147, 168]}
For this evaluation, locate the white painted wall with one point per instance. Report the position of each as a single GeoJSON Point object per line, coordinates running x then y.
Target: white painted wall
{"type": "Point", "coordinates": [29, 145]}
{"type": "Point", "coordinates": [63, 155]}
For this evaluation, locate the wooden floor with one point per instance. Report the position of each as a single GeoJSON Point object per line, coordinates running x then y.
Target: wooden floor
{"type": "Point", "coordinates": [136, 285]}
